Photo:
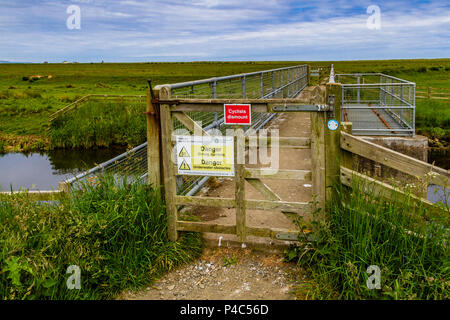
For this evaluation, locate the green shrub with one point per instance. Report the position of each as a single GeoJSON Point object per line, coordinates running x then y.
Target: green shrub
{"type": "Point", "coordinates": [115, 232]}
{"type": "Point", "coordinates": [401, 238]}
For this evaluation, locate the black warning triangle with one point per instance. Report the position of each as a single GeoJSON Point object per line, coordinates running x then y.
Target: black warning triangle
{"type": "Point", "coordinates": [184, 166]}
{"type": "Point", "coordinates": [183, 153]}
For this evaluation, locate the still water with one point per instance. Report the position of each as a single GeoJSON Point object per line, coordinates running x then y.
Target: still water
{"type": "Point", "coordinates": [43, 171]}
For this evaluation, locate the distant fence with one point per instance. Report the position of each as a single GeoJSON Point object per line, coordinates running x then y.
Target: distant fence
{"type": "Point", "coordinates": [433, 93]}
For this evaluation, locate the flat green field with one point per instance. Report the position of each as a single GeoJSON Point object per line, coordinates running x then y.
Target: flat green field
{"type": "Point", "coordinates": [26, 102]}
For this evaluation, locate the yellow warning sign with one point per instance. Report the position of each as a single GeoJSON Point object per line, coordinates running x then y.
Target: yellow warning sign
{"type": "Point", "coordinates": [184, 153]}
{"type": "Point", "coordinates": [184, 166]}
{"type": "Point", "coordinates": [205, 155]}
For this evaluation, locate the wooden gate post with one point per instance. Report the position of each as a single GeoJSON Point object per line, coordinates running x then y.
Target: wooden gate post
{"type": "Point", "coordinates": [170, 188]}
{"type": "Point", "coordinates": [318, 127]}
{"type": "Point", "coordinates": [153, 142]}
{"type": "Point", "coordinates": [239, 144]}
{"type": "Point", "coordinates": [332, 141]}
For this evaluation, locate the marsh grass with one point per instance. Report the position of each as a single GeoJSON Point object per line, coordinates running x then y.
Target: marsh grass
{"type": "Point", "coordinates": [100, 124]}
{"type": "Point", "coordinates": [362, 230]}
{"type": "Point", "coordinates": [115, 232]}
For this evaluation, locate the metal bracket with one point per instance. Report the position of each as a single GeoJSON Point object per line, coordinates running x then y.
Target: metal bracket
{"type": "Point", "coordinates": [331, 101]}
{"type": "Point", "coordinates": [286, 236]}
{"type": "Point", "coordinates": [301, 107]}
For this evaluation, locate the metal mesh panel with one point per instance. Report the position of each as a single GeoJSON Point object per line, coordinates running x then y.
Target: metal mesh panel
{"type": "Point", "coordinates": [378, 104]}
{"type": "Point", "coordinates": [277, 83]}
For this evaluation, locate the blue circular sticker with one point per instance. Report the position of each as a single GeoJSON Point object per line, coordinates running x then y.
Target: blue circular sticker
{"type": "Point", "coordinates": [332, 125]}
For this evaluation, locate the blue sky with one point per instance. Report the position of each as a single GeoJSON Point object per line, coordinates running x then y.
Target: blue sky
{"type": "Point", "coordinates": [177, 30]}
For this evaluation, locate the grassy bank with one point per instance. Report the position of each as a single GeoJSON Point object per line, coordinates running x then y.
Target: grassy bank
{"type": "Point", "coordinates": [115, 233]}
{"type": "Point", "coordinates": [100, 124]}
{"type": "Point", "coordinates": [410, 250]}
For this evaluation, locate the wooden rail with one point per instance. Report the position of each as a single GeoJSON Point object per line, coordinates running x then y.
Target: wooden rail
{"type": "Point", "coordinates": [354, 145]}
{"type": "Point", "coordinates": [395, 160]}
{"type": "Point", "coordinates": [432, 93]}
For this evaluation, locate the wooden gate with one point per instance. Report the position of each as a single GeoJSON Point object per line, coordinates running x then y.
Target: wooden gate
{"type": "Point", "coordinates": [166, 108]}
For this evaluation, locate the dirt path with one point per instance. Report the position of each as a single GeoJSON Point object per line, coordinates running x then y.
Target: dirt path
{"type": "Point", "coordinates": [227, 274]}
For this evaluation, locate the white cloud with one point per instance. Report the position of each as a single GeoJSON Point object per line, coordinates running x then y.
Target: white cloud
{"type": "Point", "coordinates": [219, 29]}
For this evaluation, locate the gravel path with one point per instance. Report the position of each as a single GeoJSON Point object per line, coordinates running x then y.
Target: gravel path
{"type": "Point", "coordinates": [230, 274]}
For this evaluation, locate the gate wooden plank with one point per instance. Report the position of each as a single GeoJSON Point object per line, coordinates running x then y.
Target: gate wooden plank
{"type": "Point", "coordinates": [205, 227]}
{"type": "Point", "coordinates": [292, 142]}
{"type": "Point", "coordinates": [190, 124]}
{"type": "Point", "coordinates": [263, 189]}
{"type": "Point", "coordinates": [293, 207]}
{"type": "Point", "coordinates": [205, 201]}
{"type": "Point", "coordinates": [282, 174]}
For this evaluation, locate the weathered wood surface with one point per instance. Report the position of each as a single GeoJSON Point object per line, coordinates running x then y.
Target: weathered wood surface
{"type": "Point", "coordinates": [379, 188]}
{"type": "Point", "coordinates": [154, 155]}
{"type": "Point", "coordinates": [169, 175]}
{"type": "Point", "coordinates": [346, 157]}
{"type": "Point", "coordinates": [332, 148]}
{"type": "Point", "coordinates": [395, 160]}
{"type": "Point", "coordinates": [282, 174]}
{"type": "Point", "coordinates": [205, 227]}
{"type": "Point", "coordinates": [263, 189]}
{"type": "Point", "coordinates": [205, 201]}
{"type": "Point", "coordinates": [318, 158]}
{"type": "Point", "coordinates": [189, 123]}
{"type": "Point", "coordinates": [239, 181]}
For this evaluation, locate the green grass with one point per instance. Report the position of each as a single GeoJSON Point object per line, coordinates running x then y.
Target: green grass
{"type": "Point", "coordinates": [410, 250]}
{"type": "Point", "coordinates": [116, 233]}
{"type": "Point", "coordinates": [26, 104]}
{"type": "Point", "coordinates": [100, 123]}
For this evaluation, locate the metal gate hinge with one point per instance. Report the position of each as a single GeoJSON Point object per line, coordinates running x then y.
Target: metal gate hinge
{"type": "Point", "coordinates": [331, 101]}
{"type": "Point", "coordinates": [286, 236]}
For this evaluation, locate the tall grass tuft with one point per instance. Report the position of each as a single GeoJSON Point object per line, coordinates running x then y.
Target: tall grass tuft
{"type": "Point", "coordinates": [115, 232]}
{"type": "Point", "coordinates": [361, 230]}
{"type": "Point", "coordinates": [100, 124]}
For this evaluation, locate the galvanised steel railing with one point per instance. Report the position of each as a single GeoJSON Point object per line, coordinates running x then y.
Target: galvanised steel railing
{"type": "Point", "coordinates": [378, 104]}
{"type": "Point", "coordinates": [276, 83]}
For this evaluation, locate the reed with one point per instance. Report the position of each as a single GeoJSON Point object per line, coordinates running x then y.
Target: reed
{"type": "Point", "coordinates": [115, 232]}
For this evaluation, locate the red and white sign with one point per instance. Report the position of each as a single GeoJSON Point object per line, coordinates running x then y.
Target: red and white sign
{"type": "Point", "coordinates": [238, 114]}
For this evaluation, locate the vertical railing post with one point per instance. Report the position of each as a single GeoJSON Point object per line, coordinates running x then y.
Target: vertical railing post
{"type": "Point", "coordinates": [332, 145]}
{"type": "Point", "coordinates": [287, 82]}
{"type": "Point", "coordinates": [358, 93]}
{"type": "Point", "coordinates": [308, 72]}
{"type": "Point", "coordinates": [154, 164]}
{"type": "Point", "coordinates": [214, 96]}
{"type": "Point", "coordinates": [170, 189]}
{"type": "Point", "coordinates": [273, 81]}
{"type": "Point", "coordinates": [262, 84]}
